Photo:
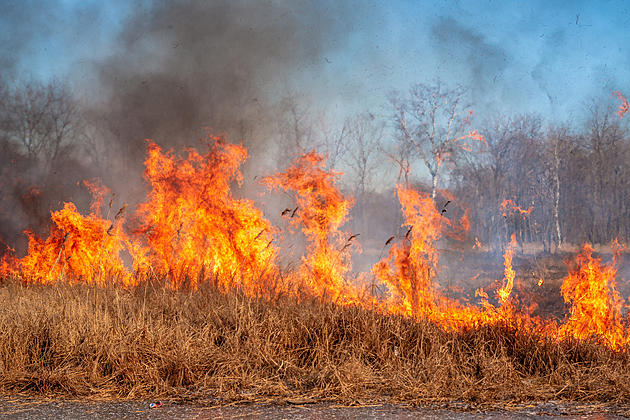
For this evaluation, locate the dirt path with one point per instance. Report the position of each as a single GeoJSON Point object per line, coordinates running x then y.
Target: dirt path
{"type": "Point", "coordinates": [24, 408]}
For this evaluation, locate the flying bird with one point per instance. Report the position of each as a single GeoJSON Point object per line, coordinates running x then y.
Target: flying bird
{"type": "Point", "coordinates": [444, 206]}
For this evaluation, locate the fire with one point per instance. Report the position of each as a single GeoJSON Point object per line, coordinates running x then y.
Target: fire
{"type": "Point", "coordinates": [193, 226]}
{"type": "Point", "coordinates": [411, 264]}
{"type": "Point", "coordinates": [78, 248]}
{"type": "Point", "coordinates": [410, 269]}
{"type": "Point", "coordinates": [474, 135]}
{"type": "Point", "coordinates": [504, 292]}
{"type": "Point", "coordinates": [466, 120]}
{"type": "Point", "coordinates": [322, 211]}
{"type": "Point", "coordinates": [590, 289]}
{"type": "Point", "coordinates": [624, 107]}
{"type": "Point", "coordinates": [509, 206]}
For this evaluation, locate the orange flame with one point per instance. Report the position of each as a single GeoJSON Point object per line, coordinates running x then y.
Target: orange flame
{"type": "Point", "coordinates": [78, 248]}
{"type": "Point", "coordinates": [474, 135]}
{"type": "Point", "coordinates": [193, 225]}
{"type": "Point", "coordinates": [506, 289]}
{"type": "Point", "coordinates": [191, 228]}
{"type": "Point", "coordinates": [508, 207]}
{"type": "Point", "coordinates": [624, 107]}
{"type": "Point", "coordinates": [590, 288]}
{"type": "Point", "coordinates": [414, 261]}
{"type": "Point", "coordinates": [410, 268]}
{"type": "Point", "coordinates": [322, 211]}
{"type": "Point", "coordinates": [466, 120]}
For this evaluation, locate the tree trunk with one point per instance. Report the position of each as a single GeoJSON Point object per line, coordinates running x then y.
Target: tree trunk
{"type": "Point", "coordinates": [556, 202]}
{"type": "Point", "coordinates": [434, 183]}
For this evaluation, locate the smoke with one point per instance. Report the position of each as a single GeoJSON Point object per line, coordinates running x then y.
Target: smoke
{"type": "Point", "coordinates": [19, 40]}
{"type": "Point", "coordinates": [173, 70]}
{"type": "Point", "coordinates": [40, 37]}
{"type": "Point", "coordinates": [464, 50]}
{"type": "Point", "coordinates": [553, 48]}
{"type": "Point", "coordinates": [180, 67]}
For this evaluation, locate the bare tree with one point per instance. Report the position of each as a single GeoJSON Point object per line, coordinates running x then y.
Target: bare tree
{"type": "Point", "coordinates": [432, 123]}
{"type": "Point", "coordinates": [303, 128]}
{"type": "Point", "coordinates": [400, 153]}
{"type": "Point", "coordinates": [331, 140]}
{"type": "Point", "coordinates": [295, 128]}
{"type": "Point", "coordinates": [559, 145]}
{"type": "Point", "coordinates": [4, 110]}
{"type": "Point", "coordinates": [604, 138]}
{"type": "Point", "coordinates": [364, 138]}
{"type": "Point", "coordinates": [64, 119]}
{"type": "Point", "coordinates": [43, 118]}
{"type": "Point", "coordinates": [507, 169]}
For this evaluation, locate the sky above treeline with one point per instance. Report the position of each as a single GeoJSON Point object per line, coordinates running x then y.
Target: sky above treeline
{"type": "Point", "coordinates": [545, 56]}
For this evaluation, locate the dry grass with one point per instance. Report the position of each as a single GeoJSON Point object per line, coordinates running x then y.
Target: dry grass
{"type": "Point", "coordinates": [150, 342]}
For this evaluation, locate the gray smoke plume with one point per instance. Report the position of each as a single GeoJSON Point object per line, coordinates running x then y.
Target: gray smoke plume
{"type": "Point", "coordinates": [477, 62]}
{"type": "Point", "coordinates": [174, 69]}
{"type": "Point", "coordinates": [183, 66]}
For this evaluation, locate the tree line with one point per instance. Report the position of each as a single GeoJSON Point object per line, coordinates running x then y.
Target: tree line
{"type": "Point", "coordinates": [522, 175]}
{"type": "Point", "coordinates": [544, 182]}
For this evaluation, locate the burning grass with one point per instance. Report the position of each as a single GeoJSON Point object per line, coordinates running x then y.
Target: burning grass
{"type": "Point", "coordinates": [151, 341]}
{"type": "Point", "coordinates": [203, 310]}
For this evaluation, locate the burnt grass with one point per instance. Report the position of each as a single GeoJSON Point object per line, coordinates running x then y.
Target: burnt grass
{"type": "Point", "coordinates": [205, 345]}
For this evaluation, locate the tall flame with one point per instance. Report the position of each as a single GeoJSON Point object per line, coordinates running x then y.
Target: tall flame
{"type": "Point", "coordinates": [596, 305]}
{"type": "Point", "coordinates": [321, 210]}
{"type": "Point", "coordinates": [506, 289]}
{"type": "Point", "coordinates": [78, 248]}
{"type": "Point", "coordinates": [192, 228]}
{"type": "Point", "coordinates": [195, 228]}
{"type": "Point", "coordinates": [411, 264]}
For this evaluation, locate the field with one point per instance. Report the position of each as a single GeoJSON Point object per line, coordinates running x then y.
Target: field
{"type": "Point", "coordinates": [188, 299]}
{"type": "Point", "coordinates": [149, 341]}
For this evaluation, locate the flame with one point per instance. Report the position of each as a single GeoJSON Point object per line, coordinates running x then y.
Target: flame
{"type": "Point", "coordinates": [411, 264]}
{"type": "Point", "coordinates": [322, 211]}
{"type": "Point", "coordinates": [466, 120]}
{"type": "Point", "coordinates": [195, 228]}
{"type": "Point", "coordinates": [590, 289]}
{"type": "Point", "coordinates": [474, 135]}
{"type": "Point", "coordinates": [410, 268]}
{"type": "Point", "coordinates": [624, 107]}
{"type": "Point", "coordinates": [481, 293]}
{"type": "Point", "coordinates": [504, 292]}
{"type": "Point", "coordinates": [191, 228]}
{"type": "Point", "coordinates": [78, 248]}
{"type": "Point", "coordinates": [508, 207]}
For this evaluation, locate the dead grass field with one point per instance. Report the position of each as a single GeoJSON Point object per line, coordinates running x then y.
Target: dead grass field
{"type": "Point", "coordinates": [151, 342]}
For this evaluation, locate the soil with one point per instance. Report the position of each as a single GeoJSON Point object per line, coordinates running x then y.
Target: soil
{"type": "Point", "coordinates": [28, 408]}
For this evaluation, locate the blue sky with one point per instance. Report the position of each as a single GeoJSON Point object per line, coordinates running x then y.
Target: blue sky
{"type": "Point", "coordinates": [527, 56]}
{"type": "Point", "coordinates": [515, 56]}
